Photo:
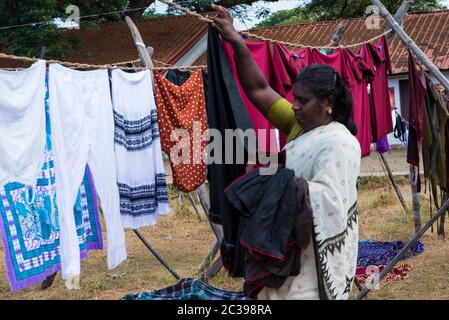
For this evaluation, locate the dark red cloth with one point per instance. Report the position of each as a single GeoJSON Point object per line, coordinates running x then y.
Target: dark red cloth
{"type": "Point", "coordinates": [417, 89]}
{"type": "Point", "coordinates": [355, 72]}
{"type": "Point", "coordinates": [287, 66]}
{"type": "Point", "coordinates": [377, 58]}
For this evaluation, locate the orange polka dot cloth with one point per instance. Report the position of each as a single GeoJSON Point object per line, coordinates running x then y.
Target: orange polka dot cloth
{"type": "Point", "coordinates": [182, 116]}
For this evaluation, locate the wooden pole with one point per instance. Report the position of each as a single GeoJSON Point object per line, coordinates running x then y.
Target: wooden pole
{"type": "Point", "coordinates": [141, 48]}
{"type": "Point", "coordinates": [393, 182]}
{"type": "Point", "coordinates": [404, 250]}
{"type": "Point", "coordinates": [409, 43]}
{"type": "Point", "coordinates": [399, 16]}
{"type": "Point", "coordinates": [336, 37]}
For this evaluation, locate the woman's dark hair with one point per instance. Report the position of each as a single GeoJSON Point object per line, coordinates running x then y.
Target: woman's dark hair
{"type": "Point", "coordinates": [324, 81]}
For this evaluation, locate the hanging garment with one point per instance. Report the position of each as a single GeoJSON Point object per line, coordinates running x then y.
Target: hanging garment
{"type": "Point", "coordinates": [82, 125]}
{"type": "Point", "coordinates": [434, 139]}
{"type": "Point", "coordinates": [353, 70]}
{"type": "Point", "coordinates": [22, 124]}
{"type": "Point", "coordinates": [29, 224]}
{"type": "Point", "coordinates": [183, 108]}
{"type": "Point", "coordinates": [360, 100]}
{"type": "Point", "coordinates": [328, 158]}
{"type": "Point", "coordinates": [276, 223]}
{"type": "Point", "coordinates": [140, 167]}
{"type": "Point", "coordinates": [377, 57]}
{"type": "Point", "coordinates": [30, 229]}
{"type": "Point", "coordinates": [288, 66]}
{"type": "Point", "coordinates": [179, 77]}
{"type": "Point", "coordinates": [265, 132]}
{"type": "Point", "coordinates": [417, 90]}
{"type": "Point", "coordinates": [225, 110]}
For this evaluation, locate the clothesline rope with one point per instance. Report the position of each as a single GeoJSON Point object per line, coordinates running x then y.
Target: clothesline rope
{"type": "Point", "coordinates": [255, 36]}
{"type": "Point", "coordinates": [99, 66]}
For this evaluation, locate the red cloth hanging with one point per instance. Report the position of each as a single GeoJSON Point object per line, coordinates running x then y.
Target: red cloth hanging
{"type": "Point", "coordinates": [262, 55]}
{"type": "Point", "coordinates": [378, 59]}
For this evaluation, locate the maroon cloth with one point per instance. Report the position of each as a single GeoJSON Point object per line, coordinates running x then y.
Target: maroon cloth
{"type": "Point", "coordinates": [354, 71]}
{"type": "Point", "coordinates": [288, 64]}
{"type": "Point", "coordinates": [378, 59]}
{"type": "Point", "coordinates": [356, 74]}
{"type": "Point", "coordinates": [417, 89]}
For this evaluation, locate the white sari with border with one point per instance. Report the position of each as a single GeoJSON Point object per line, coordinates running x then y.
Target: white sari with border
{"type": "Point", "coordinates": [328, 157]}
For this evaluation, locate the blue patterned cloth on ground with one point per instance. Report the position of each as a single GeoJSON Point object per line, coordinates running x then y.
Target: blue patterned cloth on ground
{"type": "Point", "coordinates": [375, 253]}
{"type": "Point", "coordinates": [29, 224]}
{"type": "Point", "coordinates": [188, 289]}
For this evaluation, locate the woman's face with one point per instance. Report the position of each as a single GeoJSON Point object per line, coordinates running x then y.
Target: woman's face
{"type": "Point", "coordinates": [310, 112]}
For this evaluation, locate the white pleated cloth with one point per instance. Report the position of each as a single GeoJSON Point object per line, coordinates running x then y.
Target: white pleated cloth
{"type": "Point", "coordinates": [22, 124]}
{"type": "Point", "coordinates": [82, 126]}
{"type": "Point", "coordinates": [140, 167]}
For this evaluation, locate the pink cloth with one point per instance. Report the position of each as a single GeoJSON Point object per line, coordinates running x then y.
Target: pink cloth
{"type": "Point", "coordinates": [378, 59]}
{"type": "Point", "coordinates": [261, 53]}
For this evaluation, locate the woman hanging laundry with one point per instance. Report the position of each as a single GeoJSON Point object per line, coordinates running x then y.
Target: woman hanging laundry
{"type": "Point", "coordinates": [322, 150]}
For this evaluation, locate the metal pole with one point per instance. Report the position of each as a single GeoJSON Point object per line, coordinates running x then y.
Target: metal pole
{"type": "Point", "coordinates": [165, 264]}
{"type": "Point", "coordinates": [404, 250]}
{"type": "Point", "coordinates": [408, 42]}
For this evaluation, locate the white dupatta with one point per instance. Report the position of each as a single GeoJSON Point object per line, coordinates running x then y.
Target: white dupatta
{"type": "Point", "coordinates": [328, 158]}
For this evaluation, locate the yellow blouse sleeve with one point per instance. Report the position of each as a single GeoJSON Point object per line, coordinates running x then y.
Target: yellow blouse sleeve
{"type": "Point", "coordinates": [283, 117]}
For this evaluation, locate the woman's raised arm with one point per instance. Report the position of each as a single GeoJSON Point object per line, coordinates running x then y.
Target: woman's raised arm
{"type": "Point", "coordinates": [251, 78]}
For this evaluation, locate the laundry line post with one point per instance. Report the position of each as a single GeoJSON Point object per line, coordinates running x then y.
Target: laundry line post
{"type": "Point", "coordinates": [146, 60]}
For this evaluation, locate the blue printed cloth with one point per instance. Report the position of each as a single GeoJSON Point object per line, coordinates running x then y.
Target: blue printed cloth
{"type": "Point", "coordinates": [375, 253]}
{"type": "Point", "coordinates": [188, 289]}
{"type": "Point", "coordinates": [29, 224]}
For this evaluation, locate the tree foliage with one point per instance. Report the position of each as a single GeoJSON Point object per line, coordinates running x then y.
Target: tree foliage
{"type": "Point", "coordinates": [29, 40]}
{"type": "Point", "coordinates": [321, 10]}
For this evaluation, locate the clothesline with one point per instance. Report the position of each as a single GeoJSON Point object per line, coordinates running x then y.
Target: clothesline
{"type": "Point", "coordinates": [101, 66]}
{"type": "Point", "coordinates": [255, 36]}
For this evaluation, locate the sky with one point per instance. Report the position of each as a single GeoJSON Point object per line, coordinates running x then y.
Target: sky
{"type": "Point", "coordinates": [252, 21]}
